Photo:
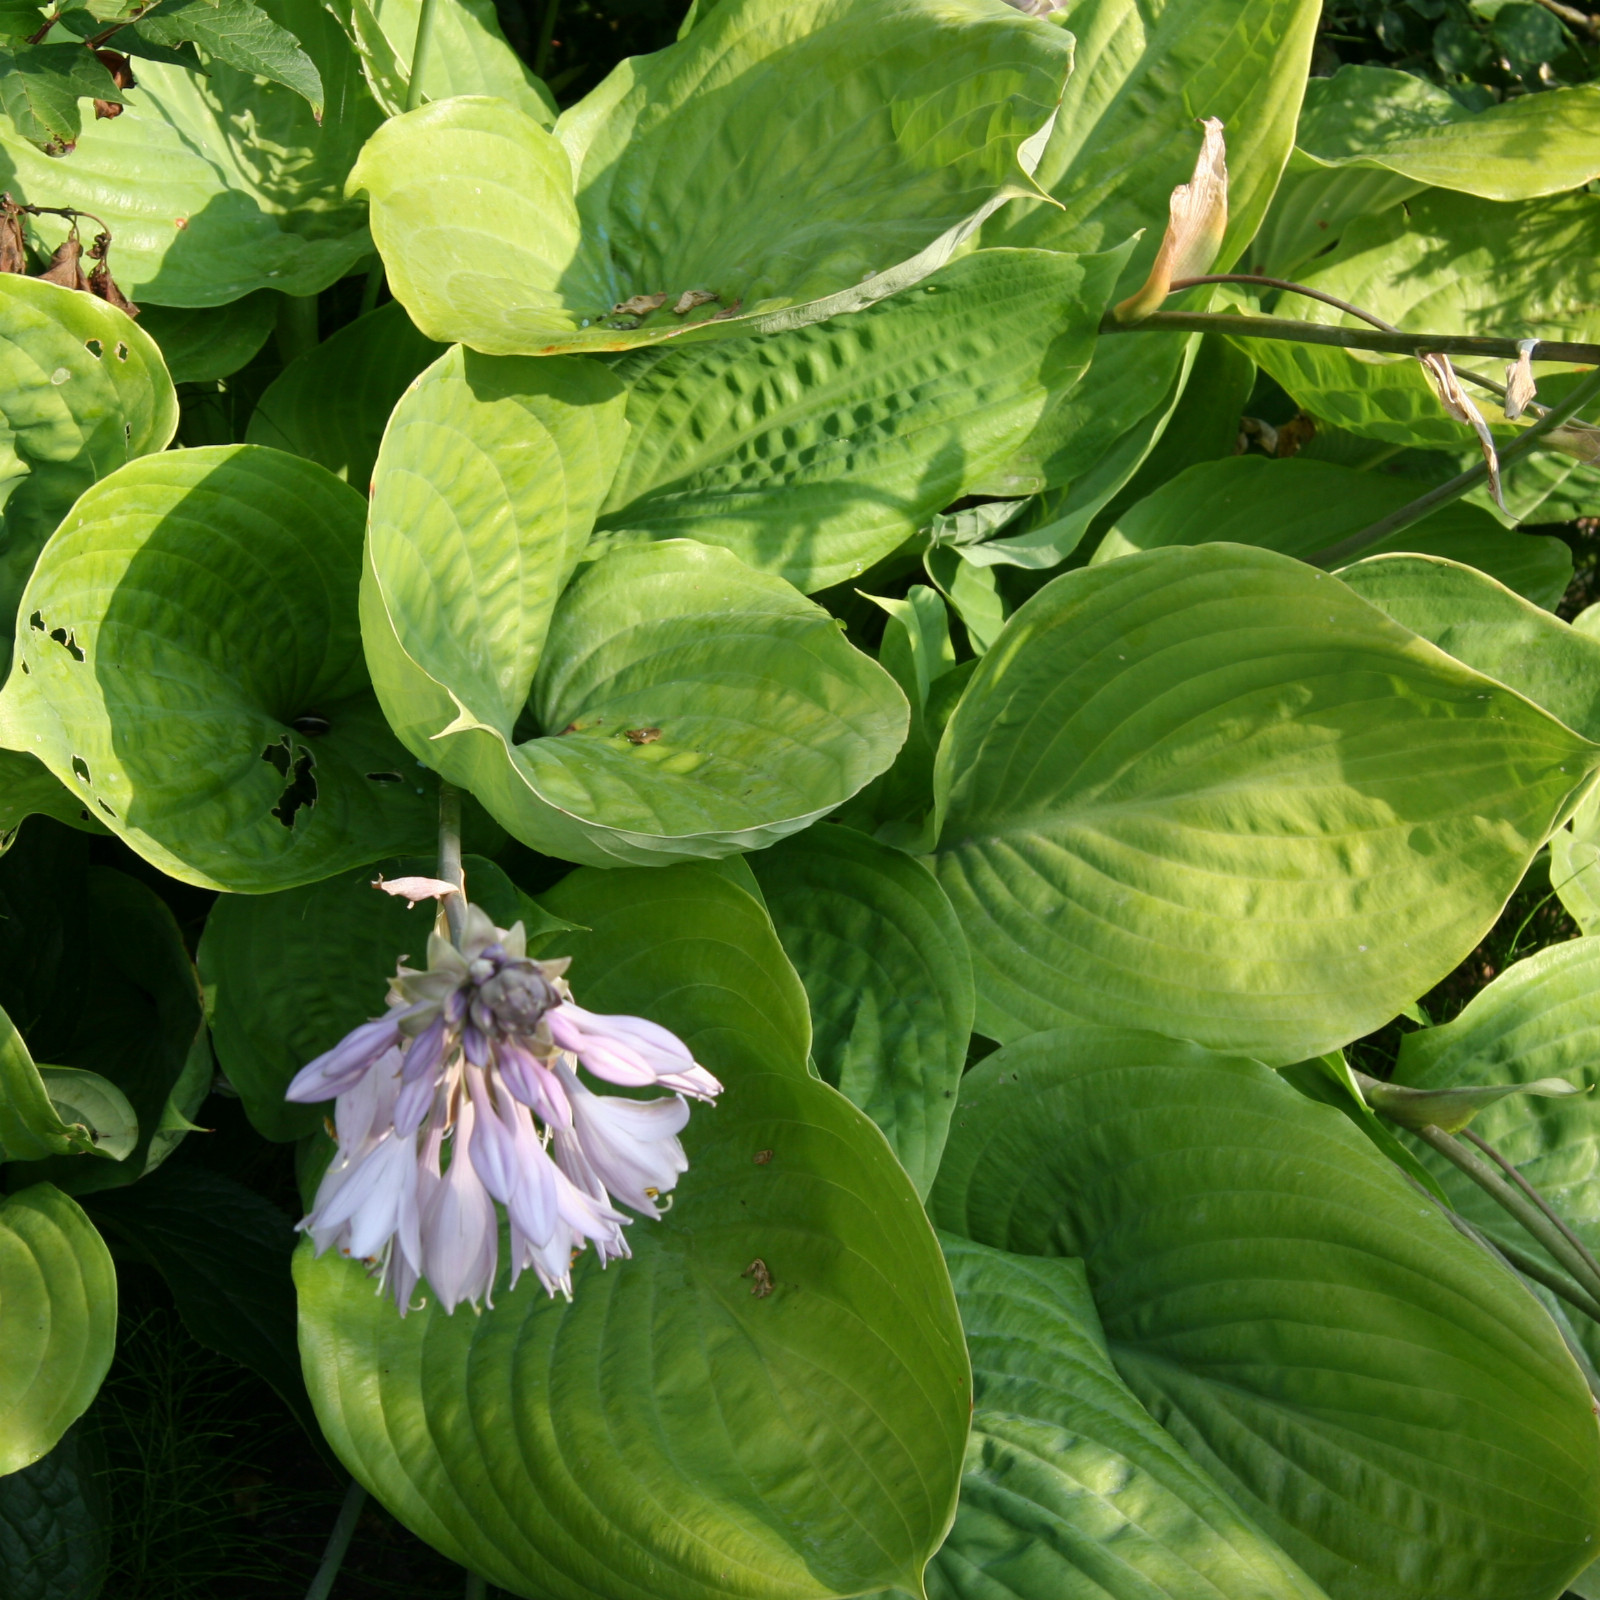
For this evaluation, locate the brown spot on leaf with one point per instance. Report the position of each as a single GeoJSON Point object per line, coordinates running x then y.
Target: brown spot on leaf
{"type": "Point", "coordinates": [731, 310]}
{"type": "Point", "coordinates": [639, 305]}
{"type": "Point", "coordinates": [762, 1286]}
{"type": "Point", "coordinates": [690, 298]}
{"type": "Point", "coordinates": [642, 735]}
{"type": "Point", "coordinates": [763, 1157]}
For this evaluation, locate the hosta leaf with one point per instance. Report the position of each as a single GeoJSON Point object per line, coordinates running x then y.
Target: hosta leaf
{"type": "Point", "coordinates": [31, 1124]}
{"type": "Point", "coordinates": [1485, 625]}
{"type": "Point", "coordinates": [1376, 118]}
{"type": "Point", "coordinates": [55, 1536]}
{"type": "Point", "coordinates": [240, 186]}
{"type": "Point", "coordinates": [28, 788]}
{"type": "Point", "coordinates": [467, 54]}
{"type": "Point", "coordinates": [1313, 205]}
{"type": "Point", "coordinates": [847, 148]}
{"type": "Point", "coordinates": [1071, 1487]}
{"type": "Point", "coordinates": [1301, 507]}
{"type": "Point", "coordinates": [1212, 792]}
{"type": "Point", "coordinates": [331, 404]}
{"type": "Point", "coordinates": [239, 34]}
{"type": "Point", "coordinates": [1575, 864]}
{"type": "Point", "coordinates": [668, 1434]}
{"type": "Point", "coordinates": [1373, 1389]}
{"type": "Point", "coordinates": [683, 704]}
{"type": "Point", "coordinates": [888, 977]}
{"type": "Point", "coordinates": [192, 662]}
{"type": "Point", "coordinates": [290, 974]}
{"type": "Point", "coordinates": [82, 390]}
{"type": "Point", "coordinates": [58, 1320]}
{"type": "Point", "coordinates": [815, 454]}
{"type": "Point", "coordinates": [202, 345]}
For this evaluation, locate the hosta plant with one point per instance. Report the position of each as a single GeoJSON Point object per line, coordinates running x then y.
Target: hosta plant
{"type": "Point", "coordinates": [715, 703]}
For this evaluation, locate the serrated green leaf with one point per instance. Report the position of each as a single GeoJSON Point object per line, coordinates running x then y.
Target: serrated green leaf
{"type": "Point", "coordinates": [195, 668]}
{"type": "Point", "coordinates": [83, 389]}
{"type": "Point", "coordinates": [240, 34]}
{"type": "Point", "coordinates": [468, 54]}
{"type": "Point", "coordinates": [290, 974]}
{"type": "Point", "coordinates": [1301, 507]}
{"type": "Point", "coordinates": [1071, 1487]}
{"type": "Point", "coordinates": [20, 18]}
{"type": "Point", "coordinates": [58, 1320]}
{"type": "Point", "coordinates": [1370, 118]}
{"type": "Point", "coordinates": [240, 187]}
{"type": "Point", "coordinates": [669, 1435]}
{"type": "Point", "coordinates": [670, 702]}
{"type": "Point", "coordinates": [1212, 792]}
{"type": "Point", "coordinates": [331, 405]}
{"type": "Point", "coordinates": [814, 455]}
{"type": "Point", "coordinates": [205, 344]}
{"type": "Point", "coordinates": [848, 149]}
{"type": "Point", "coordinates": [40, 87]}
{"type": "Point", "coordinates": [1374, 1390]}
{"type": "Point", "coordinates": [888, 978]}
{"type": "Point", "coordinates": [55, 1535]}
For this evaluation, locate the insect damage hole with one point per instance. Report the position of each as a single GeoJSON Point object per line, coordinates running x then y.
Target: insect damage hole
{"type": "Point", "coordinates": [95, 348]}
{"type": "Point", "coordinates": [107, 809]}
{"type": "Point", "coordinates": [384, 777]}
{"type": "Point", "coordinates": [67, 641]}
{"type": "Point", "coordinates": [36, 622]}
{"type": "Point", "coordinates": [80, 770]}
{"type": "Point", "coordinates": [294, 765]}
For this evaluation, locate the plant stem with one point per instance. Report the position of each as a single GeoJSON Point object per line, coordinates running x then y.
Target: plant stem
{"type": "Point", "coordinates": [338, 1542]}
{"type": "Point", "coordinates": [1533, 1194]}
{"type": "Point", "coordinates": [297, 326]}
{"type": "Point", "coordinates": [421, 49]}
{"type": "Point", "coordinates": [1564, 1288]}
{"type": "Point", "coordinates": [1399, 344]}
{"type": "Point", "coordinates": [455, 905]}
{"type": "Point", "coordinates": [547, 32]}
{"type": "Point", "coordinates": [1517, 1204]}
{"type": "Point", "coordinates": [1416, 510]}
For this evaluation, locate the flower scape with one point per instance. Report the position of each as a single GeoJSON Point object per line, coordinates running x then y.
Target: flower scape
{"type": "Point", "coordinates": [467, 1092]}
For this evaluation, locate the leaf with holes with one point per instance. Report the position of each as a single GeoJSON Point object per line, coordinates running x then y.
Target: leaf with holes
{"type": "Point", "coordinates": [669, 1435]}
{"type": "Point", "coordinates": [818, 453]}
{"type": "Point", "coordinates": [1212, 792]}
{"type": "Point", "coordinates": [783, 162]}
{"type": "Point", "coordinates": [291, 973]}
{"type": "Point", "coordinates": [669, 701]}
{"type": "Point", "coordinates": [1301, 507]}
{"type": "Point", "coordinates": [1071, 1487]}
{"type": "Point", "coordinates": [192, 662]}
{"type": "Point", "coordinates": [888, 977]}
{"type": "Point", "coordinates": [83, 389]}
{"type": "Point", "coordinates": [1372, 1389]}
{"type": "Point", "coordinates": [58, 1320]}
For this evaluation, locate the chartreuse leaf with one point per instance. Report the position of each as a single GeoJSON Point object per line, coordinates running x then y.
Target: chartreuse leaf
{"type": "Point", "coordinates": [467, 54]}
{"type": "Point", "coordinates": [1128, 134]}
{"type": "Point", "coordinates": [192, 664]}
{"type": "Point", "coordinates": [1370, 1387]}
{"type": "Point", "coordinates": [1301, 507]}
{"type": "Point", "coordinates": [888, 978]}
{"type": "Point", "coordinates": [671, 702]}
{"type": "Point", "coordinates": [82, 390]}
{"type": "Point", "coordinates": [843, 151]}
{"type": "Point", "coordinates": [669, 1435]}
{"type": "Point", "coordinates": [1374, 118]}
{"type": "Point", "coordinates": [1212, 792]}
{"type": "Point", "coordinates": [28, 788]}
{"type": "Point", "coordinates": [31, 1123]}
{"type": "Point", "coordinates": [331, 404]}
{"type": "Point", "coordinates": [1071, 1488]}
{"type": "Point", "coordinates": [815, 454]}
{"type": "Point", "coordinates": [55, 1536]}
{"type": "Point", "coordinates": [238, 34]}
{"type": "Point", "coordinates": [1312, 207]}
{"type": "Point", "coordinates": [290, 974]}
{"type": "Point", "coordinates": [240, 185]}
{"type": "Point", "coordinates": [1575, 864]}
{"type": "Point", "coordinates": [58, 1320]}
{"type": "Point", "coordinates": [203, 345]}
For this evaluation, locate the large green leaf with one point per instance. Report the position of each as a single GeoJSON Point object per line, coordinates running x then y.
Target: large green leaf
{"type": "Point", "coordinates": [82, 390]}
{"type": "Point", "coordinates": [290, 974]}
{"type": "Point", "coordinates": [888, 977]}
{"type": "Point", "coordinates": [1313, 205]}
{"type": "Point", "coordinates": [1374, 1390]}
{"type": "Point", "coordinates": [58, 1320]}
{"type": "Point", "coordinates": [55, 1536]}
{"type": "Point", "coordinates": [1071, 1489]}
{"type": "Point", "coordinates": [797, 160]}
{"type": "Point", "coordinates": [467, 54]}
{"type": "Point", "coordinates": [680, 704]}
{"type": "Point", "coordinates": [670, 1434]}
{"type": "Point", "coordinates": [203, 344]}
{"type": "Point", "coordinates": [28, 788]}
{"type": "Point", "coordinates": [1575, 864]}
{"type": "Point", "coordinates": [192, 662]}
{"type": "Point", "coordinates": [815, 454]}
{"type": "Point", "coordinates": [331, 405]}
{"type": "Point", "coordinates": [1211, 792]}
{"type": "Point", "coordinates": [239, 185]}
{"type": "Point", "coordinates": [1373, 118]}
{"type": "Point", "coordinates": [1300, 507]}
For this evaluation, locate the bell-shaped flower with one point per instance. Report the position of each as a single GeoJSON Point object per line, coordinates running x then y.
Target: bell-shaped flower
{"type": "Point", "coordinates": [460, 1233]}
{"type": "Point", "coordinates": [340, 1069]}
{"type": "Point", "coordinates": [630, 1051]}
{"type": "Point", "coordinates": [630, 1146]}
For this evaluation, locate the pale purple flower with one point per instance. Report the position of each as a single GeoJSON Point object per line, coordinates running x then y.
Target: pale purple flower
{"type": "Point", "coordinates": [465, 1095]}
